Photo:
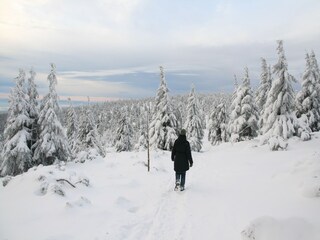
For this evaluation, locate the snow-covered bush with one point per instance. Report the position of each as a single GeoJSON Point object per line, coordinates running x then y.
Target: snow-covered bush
{"type": "Point", "coordinates": [277, 143]}
{"type": "Point", "coordinates": [6, 180]}
{"type": "Point", "coordinates": [302, 127]}
{"type": "Point", "coordinates": [58, 180]}
{"type": "Point", "coordinates": [87, 155]}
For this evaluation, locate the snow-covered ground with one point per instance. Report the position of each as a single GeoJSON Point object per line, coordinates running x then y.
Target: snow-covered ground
{"type": "Point", "coordinates": [239, 191]}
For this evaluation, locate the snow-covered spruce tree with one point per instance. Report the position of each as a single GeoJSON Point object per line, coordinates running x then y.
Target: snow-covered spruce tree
{"type": "Point", "coordinates": [1, 148]}
{"type": "Point", "coordinates": [33, 108]}
{"type": "Point", "coordinates": [144, 125]}
{"type": "Point", "coordinates": [233, 95]}
{"type": "Point", "coordinates": [264, 87]}
{"type": "Point", "coordinates": [72, 125]}
{"type": "Point", "coordinates": [193, 124]}
{"type": "Point", "coordinates": [315, 67]}
{"type": "Point", "coordinates": [164, 123]}
{"type": "Point", "coordinates": [52, 144]}
{"type": "Point", "coordinates": [243, 122]}
{"type": "Point", "coordinates": [178, 104]}
{"type": "Point", "coordinates": [143, 139]}
{"type": "Point", "coordinates": [278, 118]}
{"type": "Point", "coordinates": [316, 72]}
{"type": "Point", "coordinates": [218, 125]}
{"type": "Point", "coordinates": [16, 155]}
{"type": "Point", "coordinates": [308, 98]}
{"type": "Point", "coordinates": [124, 134]}
{"type": "Point", "coordinates": [202, 114]}
{"type": "Point", "coordinates": [88, 135]}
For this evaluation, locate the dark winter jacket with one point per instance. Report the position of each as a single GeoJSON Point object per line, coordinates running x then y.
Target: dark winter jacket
{"type": "Point", "coordinates": [181, 154]}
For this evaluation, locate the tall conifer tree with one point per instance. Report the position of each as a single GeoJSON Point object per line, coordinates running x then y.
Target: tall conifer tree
{"type": "Point", "coordinates": [16, 154]}
{"type": "Point", "coordinates": [243, 118]}
{"type": "Point", "coordinates": [218, 125]}
{"type": "Point", "coordinates": [193, 124]}
{"type": "Point", "coordinates": [164, 123]}
{"type": "Point", "coordinates": [307, 100]}
{"type": "Point", "coordinates": [124, 134]}
{"type": "Point", "coordinates": [33, 108]}
{"type": "Point", "coordinates": [52, 144]}
{"type": "Point", "coordinates": [72, 125]}
{"type": "Point", "coordinates": [264, 87]}
{"type": "Point", "coordinates": [278, 118]}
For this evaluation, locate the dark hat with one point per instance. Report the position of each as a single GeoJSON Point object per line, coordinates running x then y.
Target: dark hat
{"type": "Point", "coordinates": [183, 132]}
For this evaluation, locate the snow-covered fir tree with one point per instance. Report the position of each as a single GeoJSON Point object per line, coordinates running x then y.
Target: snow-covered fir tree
{"type": "Point", "coordinates": [308, 98]}
{"type": "Point", "coordinates": [1, 148]}
{"type": "Point", "coordinates": [72, 125]}
{"type": "Point", "coordinates": [52, 144]}
{"type": "Point", "coordinates": [264, 87]}
{"type": "Point", "coordinates": [218, 125]}
{"type": "Point", "coordinates": [179, 109]}
{"type": "Point", "coordinates": [193, 124]}
{"type": "Point", "coordinates": [202, 114]}
{"type": "Point", "coordinates": [16, 154]}
{"type": "Point", "coordinates": [143, 139]}
{"type": "Point", "coordinates": [124, 134]}
{"type": "Point", "coordinates": [33, 108]}
{"type": "Point", "coordinates": [243, 122]}
{"type": "Point", "coordinates": [278, 118]}
{"type": "Point", "coordinates": [234, 95]}
{"type": "Point", "coordinates": [144, 125]}
{"type": "Point", "coordinates": [88, 135]}
{"type": "Point", "coordinates": [316, 72]}
{"type": "Point", "coordinates": [163, 126]}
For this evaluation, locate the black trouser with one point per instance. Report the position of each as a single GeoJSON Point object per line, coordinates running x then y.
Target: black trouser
{"type": "Point", "coordinates": [181, 178]}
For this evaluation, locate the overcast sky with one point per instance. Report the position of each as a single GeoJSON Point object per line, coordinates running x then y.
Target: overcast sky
{"type": "Point", "coordinates": [113, 48]}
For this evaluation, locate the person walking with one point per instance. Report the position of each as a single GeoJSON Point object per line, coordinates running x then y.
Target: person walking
{"type": "Point", "coordinates": [182, 158]}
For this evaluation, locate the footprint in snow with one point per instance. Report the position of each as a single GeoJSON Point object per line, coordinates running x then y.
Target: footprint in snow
{"type": "Point", "coordinates": [81, 202]}
{"type": "Point", "coordinates": [126, 204]}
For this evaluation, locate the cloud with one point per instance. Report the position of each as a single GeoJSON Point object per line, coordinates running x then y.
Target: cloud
{"type": "Point", "coordinates": [107, 48]}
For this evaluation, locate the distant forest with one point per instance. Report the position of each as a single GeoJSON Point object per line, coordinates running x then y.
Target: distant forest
{"type": "Point", "coordinates": [40, 132]}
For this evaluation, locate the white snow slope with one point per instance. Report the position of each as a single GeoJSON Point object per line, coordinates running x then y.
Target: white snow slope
{"type": "Point", "coordinates": [239, 191]}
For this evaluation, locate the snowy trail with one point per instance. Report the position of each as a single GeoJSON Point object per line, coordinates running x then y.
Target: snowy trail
{"type": "Point", "coordinates": [171, 219]}
{"type": "Point", "coordinates": [179, 215]}
{"type": "Point", "coordinates": [228, 188]}
{"type": "Point", "coordinates": [223, 194]}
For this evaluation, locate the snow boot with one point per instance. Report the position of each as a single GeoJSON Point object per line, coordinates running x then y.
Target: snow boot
{"type": "Point", "coordinates": [182, 188]}
{"type": "Point", "coordinates": [176, 188]}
